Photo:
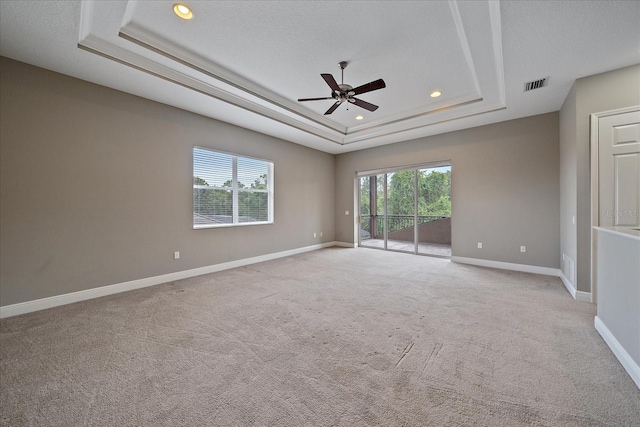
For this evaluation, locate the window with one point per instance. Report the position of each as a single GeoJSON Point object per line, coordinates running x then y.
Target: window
{"type": "Point", "coordinates": [231, 190]}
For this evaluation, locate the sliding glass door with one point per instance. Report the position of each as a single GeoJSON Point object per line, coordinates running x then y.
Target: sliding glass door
{"type": "Point", "coordinates": [401, 211]}
{"type": "Point", "coordinates": [407, 210]}
{"type": "Point", "coordinates": [434, 211]}
{"type": "Point", "coordinates": [372, 211]}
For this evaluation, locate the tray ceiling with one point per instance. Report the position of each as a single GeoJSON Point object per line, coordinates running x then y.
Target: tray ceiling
{"type": "Point", "coordinates": [248, 62]}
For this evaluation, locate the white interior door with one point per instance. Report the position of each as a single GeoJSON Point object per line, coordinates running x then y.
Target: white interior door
{"type": "Point", "coordinates": [619, 169]}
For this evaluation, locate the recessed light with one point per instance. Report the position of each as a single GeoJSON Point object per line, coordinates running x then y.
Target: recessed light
{"type": "Point", "coordinates": [359, 117]}
{"type": "Point", "coordinates": [182, 10]}
{"type": "Point", "coordinates": [436, 94]}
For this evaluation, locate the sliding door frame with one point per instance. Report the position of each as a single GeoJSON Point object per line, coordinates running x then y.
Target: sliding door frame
{"type": "Point", "coordinates": [385, 171]}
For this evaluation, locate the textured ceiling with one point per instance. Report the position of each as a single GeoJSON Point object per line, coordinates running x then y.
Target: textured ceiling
{"type": "Point", "coordinates": [247, 62]}
{"type": "Point", "coordinates": [285, 46]}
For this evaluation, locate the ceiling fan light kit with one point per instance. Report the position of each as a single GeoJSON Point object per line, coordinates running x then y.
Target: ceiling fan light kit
{"type": "Point", "coordinates": [342, 92]}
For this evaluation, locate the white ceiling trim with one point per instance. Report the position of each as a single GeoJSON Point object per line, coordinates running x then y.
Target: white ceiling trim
{"type": "Point", "coordinates": [227, 86]}
{"type": "Point", "coordinates": [402, 121]}
{"type": "Point", "coordinates": [155, 43]}
{"type": "Point", "coordinates": [110, 51]}
{"type": "Point", "coordinates": [457, 102]}
{"type": "Point", "coordinates": [563, 40]}
{"type": "Point", "coordinates": [464, 42]}
{"type": "Point", "coordinates": [498, 57]}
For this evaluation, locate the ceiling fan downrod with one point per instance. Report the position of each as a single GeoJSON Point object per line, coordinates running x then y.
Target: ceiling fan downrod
{"type": "Point", "coordinates": [342, 65]}
{"type": "Point", "coordinates": [345, 90]}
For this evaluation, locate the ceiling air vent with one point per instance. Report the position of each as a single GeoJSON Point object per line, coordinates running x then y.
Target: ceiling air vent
{"type": "Point", "coordinates": [536, 84]}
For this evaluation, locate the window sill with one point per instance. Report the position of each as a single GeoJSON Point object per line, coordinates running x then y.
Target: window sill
{"type": "Point", "coordinates": [239, 224]}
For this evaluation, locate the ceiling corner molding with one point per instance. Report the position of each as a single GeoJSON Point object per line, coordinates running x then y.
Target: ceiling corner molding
{"type": "Point", "coordinates": [464, 43]}
{"type": "Point", "coordinates": [402, 124]}
{"type": "Point", "coordinates": [476, 53]}
{"type": "Point", "coordinates": [496, 37]}
{"type": "Point", "coordinates": [155, 43]}
{"type": "Point", "coordinates": [133, 44]}
{"type": "Point", "coordinates": [86, 18]}
{"type": "Point", "coordinates": [109, 51]}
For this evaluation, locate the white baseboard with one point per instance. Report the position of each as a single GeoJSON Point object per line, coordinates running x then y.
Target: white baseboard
{"type": "Point", "coordinates": [584, 296]}
{"type": "Point", "coordinates": [577, 295]}
{"type": "Point", "coordinates": [568, 285]}
{"type": "Point", "coordinates": [58, 300]}
{"type": "Point", "coordinates": [618, 350]}
{"type": "Point", "coordinates": [507, 266]}
{"type": "Point", "coordinates": [346, 245]}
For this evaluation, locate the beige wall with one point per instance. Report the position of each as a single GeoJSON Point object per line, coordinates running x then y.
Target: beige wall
{"type": "Point", "coordinates": [95, 184]}
{"type": "Point", "coordinates": [593, 94]}
{"type": "Point", "coordinates": [505, 187]}
{"type": "Point", "coordinates": [95, 188]}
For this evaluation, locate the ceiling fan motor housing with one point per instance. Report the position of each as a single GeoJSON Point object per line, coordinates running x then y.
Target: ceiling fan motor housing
{"type": "Point", "coordinates": [345, 92]}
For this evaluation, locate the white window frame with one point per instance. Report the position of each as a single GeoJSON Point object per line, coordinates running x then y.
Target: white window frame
{"type": "Point", "coordinates": [235, 190]}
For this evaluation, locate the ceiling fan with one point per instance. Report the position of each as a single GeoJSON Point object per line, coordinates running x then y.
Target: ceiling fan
{"type": "Point", "coordinates": [345, 93]}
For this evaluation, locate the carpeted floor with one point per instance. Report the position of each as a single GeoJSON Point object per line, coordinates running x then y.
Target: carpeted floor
{"type": "Point", "coordinates": [337, 337]}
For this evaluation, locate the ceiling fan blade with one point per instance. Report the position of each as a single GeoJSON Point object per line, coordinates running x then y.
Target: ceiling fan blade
{"type": "Point", "coordinates": [333, 108]}
{"type": "Point", "coordinates": [315, 99]}
{"type": "Point", "coordinates": [364, 104]}
{"type": "Point", "coordinates": [331, 81]}
{"type": "Point", "coordinates": [374, 85]}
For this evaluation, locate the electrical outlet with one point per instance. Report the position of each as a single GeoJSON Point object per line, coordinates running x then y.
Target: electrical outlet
{"type": "Point", "coordinates": [314, 234]}
{"type": "Point", "coordinates": [523, 249]}
{"type": "Point", "coordinates": [346, 212]}
{"type": "Point", "coordinates": [176, 255]}
{"type": "Point", "coordinates": [479, 245]}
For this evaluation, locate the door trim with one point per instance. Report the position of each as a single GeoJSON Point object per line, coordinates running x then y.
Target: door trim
{"type": "Point", "coordinates": [426, 165]}
{"type": "Point", "coordinates": [595, 194]}
{"type": "Point", "coordinates": [384, 172]}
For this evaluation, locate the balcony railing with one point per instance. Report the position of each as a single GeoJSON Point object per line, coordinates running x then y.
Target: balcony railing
{"type": "Point", "coordinates": [395, 223]}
